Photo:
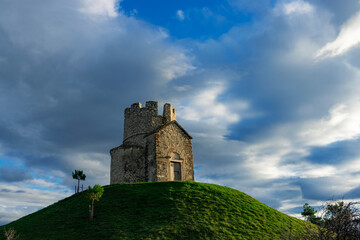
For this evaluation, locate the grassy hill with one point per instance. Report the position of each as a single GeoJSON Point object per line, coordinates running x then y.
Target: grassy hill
{"type": "Point", "coordinates": [162, 210]}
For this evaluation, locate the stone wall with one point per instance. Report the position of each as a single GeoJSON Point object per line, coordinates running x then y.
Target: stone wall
{"type": "Point", "coordinates": [139, 121]}
{"type": "Point", "coordinates": [169, 113]}
{"type": "Point", "coordinates": [131, 163]}
{"type": "Point", "coordinates": [151, 169]}
{"type": "Point", "coordinates": [127, 164]}
{"type": "Point", "coordinates": [169, 141]}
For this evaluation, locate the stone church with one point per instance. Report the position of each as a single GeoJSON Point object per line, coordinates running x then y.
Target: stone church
{"type": "Point", "coordinates": [155, 147]}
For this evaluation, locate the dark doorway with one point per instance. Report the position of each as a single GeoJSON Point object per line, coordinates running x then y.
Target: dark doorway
{"type": "Point", "coordinates": [175, 171]}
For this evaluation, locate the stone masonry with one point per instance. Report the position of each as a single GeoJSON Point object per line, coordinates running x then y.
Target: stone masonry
{"type": "Point", "coordinates": [155, 147]}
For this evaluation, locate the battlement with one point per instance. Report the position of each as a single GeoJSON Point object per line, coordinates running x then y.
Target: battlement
{"type": "Point", "coordinates": [150, 107]}
{"type": "Point", "coordinates": [140, 120]}
{"type": "Point", "coordinates": [169, 113]}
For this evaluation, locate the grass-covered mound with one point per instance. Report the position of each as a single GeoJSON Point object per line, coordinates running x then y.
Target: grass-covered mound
{"type": "Point", "coordinates": [162, 210]}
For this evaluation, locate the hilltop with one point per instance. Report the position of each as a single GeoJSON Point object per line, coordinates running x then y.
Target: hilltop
{"type": "Point", "coordinates": [159, 210]}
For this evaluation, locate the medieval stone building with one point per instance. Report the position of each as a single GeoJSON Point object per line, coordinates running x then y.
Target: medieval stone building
{"type": "Point", "coordinates": [155, 147]}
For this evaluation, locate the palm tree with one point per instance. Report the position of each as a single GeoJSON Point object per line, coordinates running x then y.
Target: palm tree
{"type": "Point", "coordinates": [80, 176]}
{"type": "Point", "coordinates": [93, 194]}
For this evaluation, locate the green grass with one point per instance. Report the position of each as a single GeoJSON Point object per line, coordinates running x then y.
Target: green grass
{"type": "Point", "coordinates": [162, 210]}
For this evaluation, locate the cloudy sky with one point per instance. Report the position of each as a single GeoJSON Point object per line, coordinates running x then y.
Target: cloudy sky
{"type": "Point", "coordinates": [268, 89]}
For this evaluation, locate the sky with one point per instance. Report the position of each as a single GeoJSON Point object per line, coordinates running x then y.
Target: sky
{"type": "Point", "coordinates": [269, 91]}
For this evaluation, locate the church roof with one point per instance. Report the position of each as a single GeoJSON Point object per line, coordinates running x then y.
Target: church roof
{"type": "Point", "coordinates": [167, 124]}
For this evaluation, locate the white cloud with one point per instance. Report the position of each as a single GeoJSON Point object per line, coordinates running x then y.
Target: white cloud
{"type": "Point", "coordinates": [177, 64]}
{"type": "Point", "coordinates": [182, 88]}
{"type": "Point", "coordinates": [342, 123]}
{"type": "Point", "coordinates": [299, 6]}
{"type": "Point", "coordinates": [180, 15]}
{"type": "Point", "coordinates": [101, 7]}
{"type": "Point", "coordinates": [294, 7]}
{"type": "Point", "coordinates": [95, 165]}
{"type": "Point", "coordinates": [348, 38]}
{"type": "Point", "coordinates": [317, 171]}
{"type": "Point", "coordinates": [20, 199]}
{"type": "Point", "coordinates": [205, 106]}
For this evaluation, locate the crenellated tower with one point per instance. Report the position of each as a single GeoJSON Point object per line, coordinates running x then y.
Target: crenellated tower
{"type": "Point", "coordinates": [155, 147]}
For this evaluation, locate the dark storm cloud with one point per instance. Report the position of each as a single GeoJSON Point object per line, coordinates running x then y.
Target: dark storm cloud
{"type": "Point", "coordinates": [251, 129]}
{"type": "Point", "coordinates": [286, 194]}
{"type": "Point", "coordinates": [12, 174]}
{"type": "Point", "coordinates": [274, 195]}
{"type": "Point", "coordinates": [296, 210]}
{"type": "Point", "coordinates": [336, 153]}
{"type": "Point", "coordinates": [320, 188]}
{"type": "Point", "coordinates": [353, 193]}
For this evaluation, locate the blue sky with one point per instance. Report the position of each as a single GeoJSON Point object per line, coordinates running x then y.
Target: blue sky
{"type": "Point", "coordinates": [269, 90]}
{"type": "Point", "coordinates": [190, 19]}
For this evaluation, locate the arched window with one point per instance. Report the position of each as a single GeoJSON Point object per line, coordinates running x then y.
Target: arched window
{"type": "Point", "coordinates": [175, 156]}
